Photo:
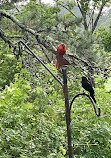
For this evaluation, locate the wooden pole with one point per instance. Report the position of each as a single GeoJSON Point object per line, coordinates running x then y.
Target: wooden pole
{"type": "Point", "coordinates": [67, 108]}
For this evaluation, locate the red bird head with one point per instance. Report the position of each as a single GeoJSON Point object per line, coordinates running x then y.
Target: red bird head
{"type": "Point", "coordinates": [61, 49]}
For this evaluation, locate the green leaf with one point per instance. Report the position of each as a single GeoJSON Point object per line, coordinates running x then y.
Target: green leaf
{"type": "Point", "coordinates": [61, 148]}
{"type": "Point", "coordinates": [108, 84]}
{"type": "Point", "coordinates": [64, 151]}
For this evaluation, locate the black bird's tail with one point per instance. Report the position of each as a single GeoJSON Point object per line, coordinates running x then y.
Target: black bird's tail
{"type": "Point", "coordinates": [92, 96]}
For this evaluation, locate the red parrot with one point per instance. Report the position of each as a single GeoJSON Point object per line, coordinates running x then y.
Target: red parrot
{"type": "Point", "coordinates": [60, 60]}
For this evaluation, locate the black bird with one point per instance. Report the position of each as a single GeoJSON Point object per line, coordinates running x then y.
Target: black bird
{"type": "Point", "coordinates": [88, 87]}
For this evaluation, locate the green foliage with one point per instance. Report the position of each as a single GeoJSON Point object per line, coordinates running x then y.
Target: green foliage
{"type": "Point", "coordinates": [6, 4]}
{"type": "Point", "coordinates": [108, 84]}
{"type": "Point", "coordinates": [8, 66]}
{"type": "Point", "coordinates": [29, 119]}
{"type": "Point", "coordinates": [39, 17]}
{"type": "Point", "coordinates": [91, 134]}
{"type": "Point", "coordinates": [105, 38]}
{"type": "Point", "coordinates": [32, 111]}
{"type": "Point", "coordinates": [32, 120]}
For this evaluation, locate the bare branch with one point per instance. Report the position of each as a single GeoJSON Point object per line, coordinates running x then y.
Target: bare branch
{"type": "Point", "coordinates": [83, 14]}
{"type": "Point", "coordinates": [17, 22]}
{"type": "Point", "coordinates": [98, 16]}
{"type": "Point", "coordinates": [79, 59]}
{"type": "Point", "coordinates": [68, 9]}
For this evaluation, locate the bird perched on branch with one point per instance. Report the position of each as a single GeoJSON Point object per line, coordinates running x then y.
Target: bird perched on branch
{"type": "Point", "coordinates": [88, 87]}
{"type": "Point", "coordinates": [60, 60]}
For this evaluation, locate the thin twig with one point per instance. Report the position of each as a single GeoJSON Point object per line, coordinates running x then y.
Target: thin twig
{"type": "Point", "coordinates": [64, 6]}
